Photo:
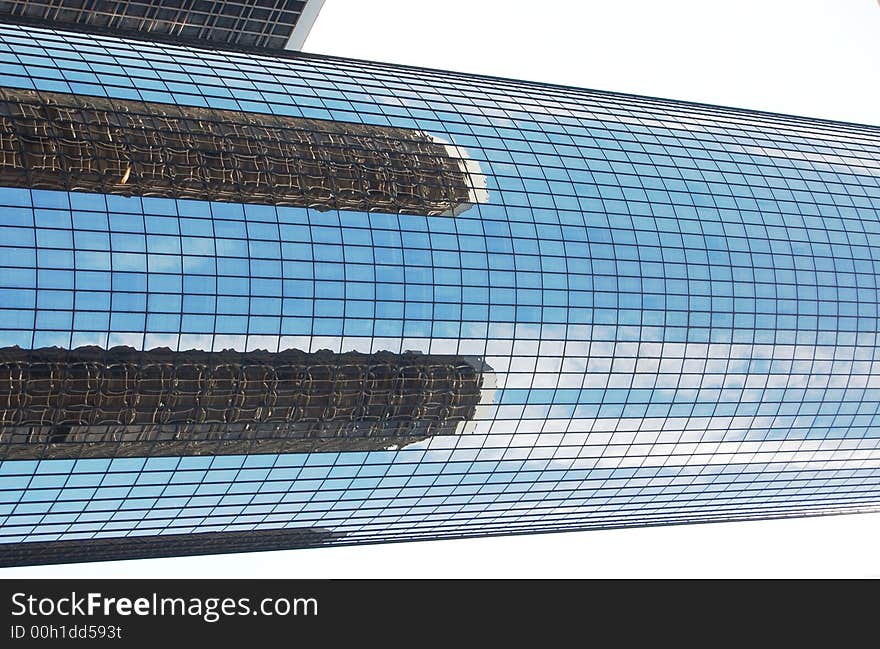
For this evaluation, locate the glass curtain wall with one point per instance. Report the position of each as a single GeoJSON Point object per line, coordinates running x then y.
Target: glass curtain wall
{"type": "Point", "coordinates": [667, 312]}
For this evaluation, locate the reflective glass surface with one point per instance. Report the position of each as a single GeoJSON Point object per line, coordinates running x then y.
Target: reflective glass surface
{"type": "Point", "coordinates": [679, 304]}
{"type": "Point", "coordinates": [242, 23]}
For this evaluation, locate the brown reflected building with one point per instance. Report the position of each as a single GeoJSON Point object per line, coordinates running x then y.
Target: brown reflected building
{"type": "Point", "coordinates": [89, 402]}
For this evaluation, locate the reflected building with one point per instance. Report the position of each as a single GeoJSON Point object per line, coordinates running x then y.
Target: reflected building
{"type": "Point", "coordinates": [91, 402]}
{"type": "Point", "coordinates": [252, 298]}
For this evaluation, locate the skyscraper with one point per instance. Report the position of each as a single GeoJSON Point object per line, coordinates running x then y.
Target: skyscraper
{"type": "Point", "coordinates": [253, 298]}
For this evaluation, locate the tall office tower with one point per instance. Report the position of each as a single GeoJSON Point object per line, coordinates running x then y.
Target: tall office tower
{"type": "Point", "coordinates": [256, 299]}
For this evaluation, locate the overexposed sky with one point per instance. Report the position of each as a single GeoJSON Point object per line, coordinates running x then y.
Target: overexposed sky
{"type": "Point", "coordinates": [830, 546]}
{"type": "Point", "coordinates": [818, 58]}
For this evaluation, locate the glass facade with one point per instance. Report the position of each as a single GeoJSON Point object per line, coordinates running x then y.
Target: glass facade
{"type": "Point", "coordinates": [674, 306]}
{"type": "Point", "coordinates": [239, 23]}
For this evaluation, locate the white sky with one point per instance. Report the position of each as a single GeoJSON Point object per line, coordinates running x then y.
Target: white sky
{"type": "Point", "coordinates": [809, 57]}
{"type": "Point", "coordinates": [819, 58]}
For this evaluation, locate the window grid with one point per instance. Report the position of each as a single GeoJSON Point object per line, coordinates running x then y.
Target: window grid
{"type": "Point", "coordinates": [248, 23]}
{"type": "Point", "coordinates": [679, 304]}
